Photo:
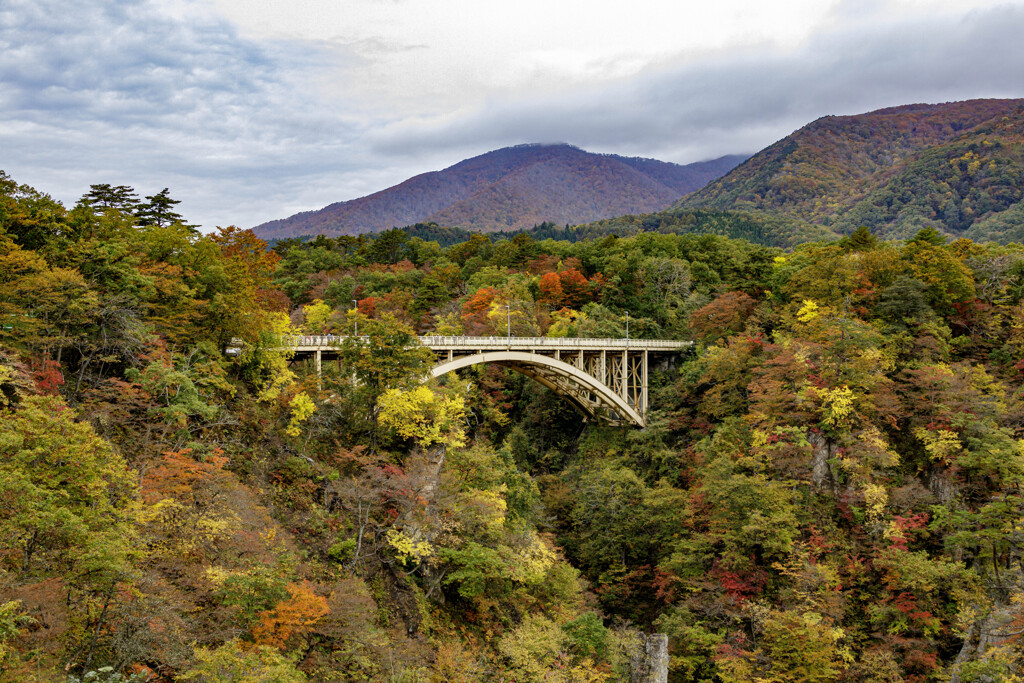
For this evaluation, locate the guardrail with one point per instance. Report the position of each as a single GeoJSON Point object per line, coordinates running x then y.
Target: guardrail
{"type": "Point", "coordinates": [551, 342]}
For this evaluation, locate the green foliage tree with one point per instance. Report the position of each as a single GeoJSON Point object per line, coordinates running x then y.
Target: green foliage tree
{"type": "Point", "coordinates": [158, 210]}
{"type": "Point", "coordinates": [106, 197]}
{"type": "Point", "coordinates": [67, 489]}
{"type": "Point", "coordinates": [68, 512]}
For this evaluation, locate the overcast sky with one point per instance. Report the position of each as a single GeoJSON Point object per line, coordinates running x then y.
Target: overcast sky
{"type": "Point", "coordinates": [251, 110]}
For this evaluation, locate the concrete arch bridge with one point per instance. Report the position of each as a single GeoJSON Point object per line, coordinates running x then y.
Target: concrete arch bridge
{"type": "Point", "coordinates": [605, 379]}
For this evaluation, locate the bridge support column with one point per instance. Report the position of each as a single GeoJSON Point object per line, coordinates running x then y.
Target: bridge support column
{"type": "Point", "coordinates": [624, 377]}
{"type": "Point", "coordinates": [643, 392]}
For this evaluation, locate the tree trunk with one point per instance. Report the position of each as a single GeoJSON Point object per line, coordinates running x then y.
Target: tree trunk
{"type": "Point", "coordinates": [428, 470]}
{"type": "Point", "coordinates": [823, 449]}
{"type": "Point", "coordinates": [99, 624]}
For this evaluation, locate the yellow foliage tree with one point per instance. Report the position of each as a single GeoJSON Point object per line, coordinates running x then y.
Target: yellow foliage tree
{"type": "Point", "coordinates": [799, 648]}
{"type": "Point", "coordinates": [427, 417]}
{"type": "Point", "coordinates": [941, 444]}
{"type": "Point", "coordinates": [265, 364]}
{"type": "Point", "coordinates": [302, 407]}
{"type": "Point", "coordinates": [532, 648]}
{"type": "Point", "coordinates": [808, 312]}
{"type": "Point", "coordinates": [563, 322]}
{"type": "Point", "coordinates": [408, 548]}
{"type": "Point", "coordinates": [317, 317]}
{"type": "Point", "coordinates": [233, 662]}
{"type": "Point", "coordinates": [837, 406]}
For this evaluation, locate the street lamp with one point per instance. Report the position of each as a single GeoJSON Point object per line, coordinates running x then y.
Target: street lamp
{"type": "Point", "coordinates": [355, 318]}
{"type": "Point", "coordinates": [508, 321]}
{"type": "Point", "coordinates": [627, 329]}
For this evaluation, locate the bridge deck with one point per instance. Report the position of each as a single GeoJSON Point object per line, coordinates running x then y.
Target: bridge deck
{"type": "Point", "coordinates": [310, 343]}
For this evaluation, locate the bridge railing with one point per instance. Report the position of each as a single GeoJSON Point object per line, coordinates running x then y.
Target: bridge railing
{"type": "Point", "coordinates": [315, 340]}
{"type": "Point", "coordinates": [552, 343]}
{"type": "Point", "coordinates": [467, 342]}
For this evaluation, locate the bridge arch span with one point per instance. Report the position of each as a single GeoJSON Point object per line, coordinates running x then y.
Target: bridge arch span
{"type": "Point", "coordinates": [604, 378]}
{"type": "Point", "coordinates": [583, 390]}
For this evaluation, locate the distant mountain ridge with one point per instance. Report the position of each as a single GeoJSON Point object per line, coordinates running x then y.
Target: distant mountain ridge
{"type": "Point", "coordinates": [512, 188]}
{"type": "Point", "coordinates": [958, 167]}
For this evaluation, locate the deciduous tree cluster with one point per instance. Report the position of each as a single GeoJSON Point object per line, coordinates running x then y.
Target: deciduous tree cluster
{"type": "Point", "coordinates": [828, 487]}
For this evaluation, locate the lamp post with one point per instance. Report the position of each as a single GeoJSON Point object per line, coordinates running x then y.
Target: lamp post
{"type": "Point", "coordinates": [355, 318]}
{"type": "Point", "coordinates": [508, 322]}
{"type": "Point", "coordinates": [627, 329]}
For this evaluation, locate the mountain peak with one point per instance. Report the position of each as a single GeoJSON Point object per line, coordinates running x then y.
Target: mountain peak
{"type": "Point", "coordinates": [512, 188]}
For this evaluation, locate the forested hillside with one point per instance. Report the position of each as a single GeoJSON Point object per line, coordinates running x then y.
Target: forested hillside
{"type": "Point", "coordinates": [759, 227]}
{"type": "Point", "coordinates": [753, 226]}
{"type": "Point", "coordinates": [828, 488]}
{"type": "Point", "coordinates": [511, 189]}
{"type": "Point", "coordinates": [955, 166]}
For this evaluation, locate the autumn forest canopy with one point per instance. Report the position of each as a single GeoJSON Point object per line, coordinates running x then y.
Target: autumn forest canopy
{"type": "Point", "coordinates": [828, 488]}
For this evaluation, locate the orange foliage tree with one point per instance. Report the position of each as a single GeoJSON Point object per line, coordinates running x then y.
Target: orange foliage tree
{"type": "Point", "coordinates": [292, 617]}
{"type": "Point", "coordinates": [475, 309]}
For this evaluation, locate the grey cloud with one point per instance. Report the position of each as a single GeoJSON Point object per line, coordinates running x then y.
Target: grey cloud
{"type": "Point", "coordinates": [94, 91]}
{"type": "Point", "coordinates": [118, 62]}
{"type": "Point", "coordinates": [741, 103]}
{"type": "Point", "coordinates": [376, 47]}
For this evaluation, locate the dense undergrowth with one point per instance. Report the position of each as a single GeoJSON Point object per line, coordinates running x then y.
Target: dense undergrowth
{"type": "Point", "coordinates": [828, 488]}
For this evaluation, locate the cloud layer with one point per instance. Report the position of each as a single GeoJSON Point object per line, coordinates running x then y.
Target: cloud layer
{"type": "Point", "coordinates": [244, 128]}
{"type": "Point", "coordinates": [743, 101]}
{"type": "Point", "coordinates": [132, 93]}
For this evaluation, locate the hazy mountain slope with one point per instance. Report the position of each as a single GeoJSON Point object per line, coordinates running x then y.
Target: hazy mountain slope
{"type": "Point", "coordinates": [821, 172]}
{"type": "Point", "coordinates": [512, 188]}
{"type": "Point", "coordinates": [567, 188]}
{"type": "Point", "coordinates": [683, 178]}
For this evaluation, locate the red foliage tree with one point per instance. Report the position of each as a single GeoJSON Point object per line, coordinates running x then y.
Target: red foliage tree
{"type": "Point", "coordinates": [723, 317]}
{"type": "Point", "coordinates": [575, 288]}
{"type": "Point", "coordinates": [368, 306]}
{"type": "Point", "coordinates": [550, 288]}
{"type": "Point", "coordinates": [47, 375]}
